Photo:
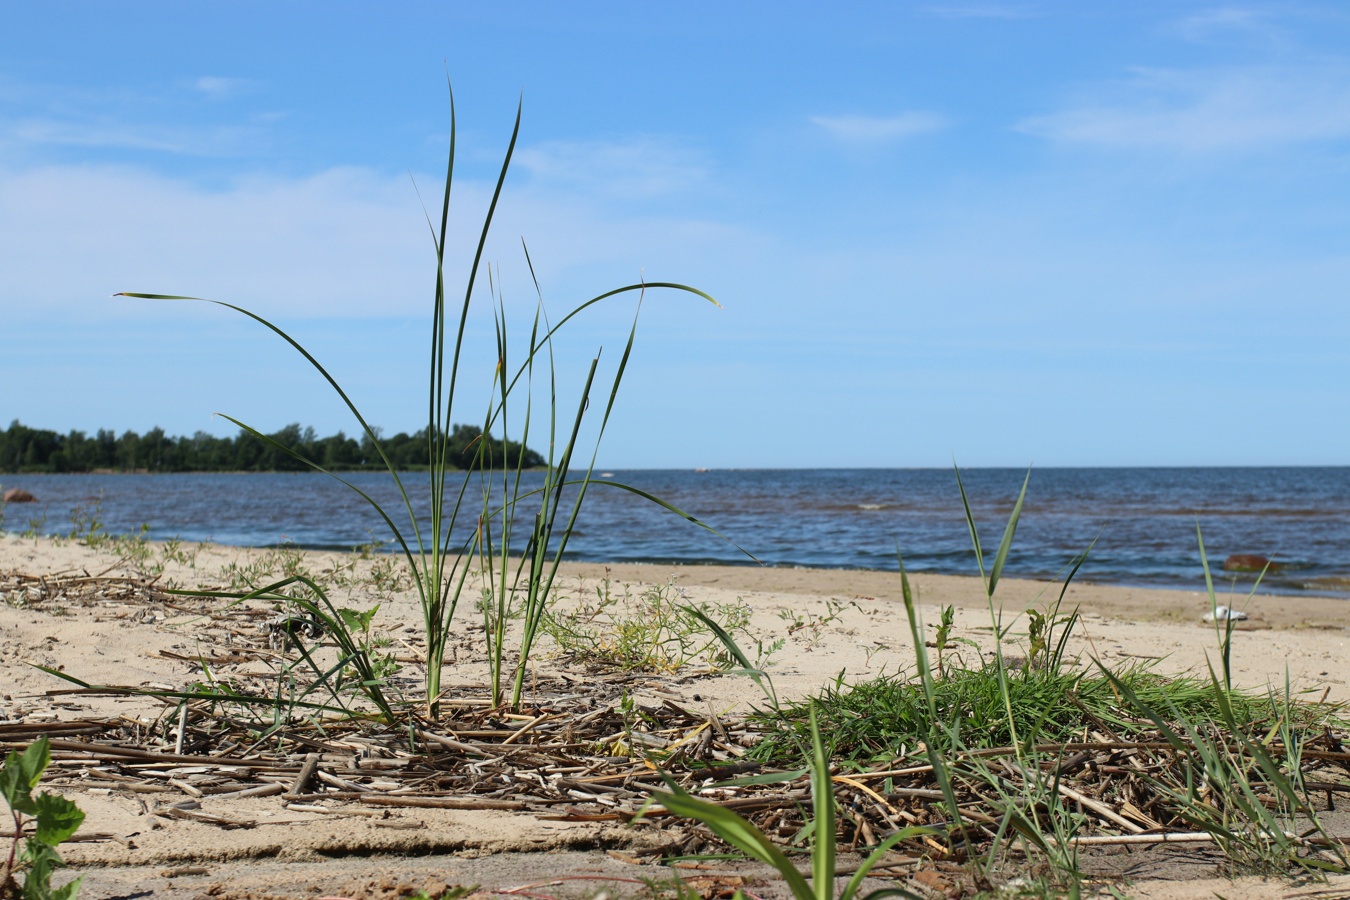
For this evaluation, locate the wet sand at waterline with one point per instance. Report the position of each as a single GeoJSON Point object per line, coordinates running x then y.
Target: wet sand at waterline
{"type": "Point", "coordinates": [853, 623]}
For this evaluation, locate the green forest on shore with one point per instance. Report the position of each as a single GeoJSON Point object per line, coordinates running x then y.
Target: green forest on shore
{"type": "Point", "coordinates": [24, 449]}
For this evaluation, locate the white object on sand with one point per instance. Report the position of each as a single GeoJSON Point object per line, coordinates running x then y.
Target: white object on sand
{"type": "Point", "coordinates": [1224, 614]}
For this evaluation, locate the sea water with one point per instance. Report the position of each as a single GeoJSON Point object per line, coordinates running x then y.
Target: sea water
{"type": "Point", "coordinates": [1139, 523]}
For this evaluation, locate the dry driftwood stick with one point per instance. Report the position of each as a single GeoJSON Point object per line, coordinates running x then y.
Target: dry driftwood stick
{"type": "Point", "coordinates": [443, 802]}
{"type": "Point", "coordinates": [526, 728]}
{"type": "Point", "coordinates": [341, 784]}
{"type": "Point", "coordinates": [103, 751]}
{"type": "Point", "coordinates": [303, 778]}
{"type": "Point", "coordinates": [262, 790]}
{"type": "Point", "coordinates": [451, 743]}
{"type": "Point", "coordinates": [1087, 802]}
{"type": "Point", "coordinates": [1171, 837]}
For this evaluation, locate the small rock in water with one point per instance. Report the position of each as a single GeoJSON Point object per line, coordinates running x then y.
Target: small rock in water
{"type": "Point", "coordinates": [1224, 614]}
{"type": "Point", "coordinates": [1249, 562]}
{"type": "Point", "coordinates": [18, 495]}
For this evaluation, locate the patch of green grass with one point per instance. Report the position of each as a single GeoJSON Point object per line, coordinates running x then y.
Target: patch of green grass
{"type": "Point", "coordinates": [872, 720]}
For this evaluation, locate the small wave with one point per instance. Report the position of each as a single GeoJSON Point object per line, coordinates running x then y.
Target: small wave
{"type": "Point", "coordinates": [871, 507]}
{"type": "Point", "coordinates": [1328, 583]}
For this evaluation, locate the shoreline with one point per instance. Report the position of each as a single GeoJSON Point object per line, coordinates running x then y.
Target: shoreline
{"type": "Point", "coordinates": [1144, 604]}
{"type": "Point", "coordinates": [1313, 606]}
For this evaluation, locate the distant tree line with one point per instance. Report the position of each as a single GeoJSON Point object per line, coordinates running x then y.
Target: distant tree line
{"type": "Point", "coordinates": [24, 449]}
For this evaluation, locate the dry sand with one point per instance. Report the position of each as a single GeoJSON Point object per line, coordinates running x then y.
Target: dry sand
{"type": "Point", "coordinates": [845, 622]}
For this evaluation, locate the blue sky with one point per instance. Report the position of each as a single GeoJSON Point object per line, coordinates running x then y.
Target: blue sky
{"type": "Point", "coordinates": [1001, 233]}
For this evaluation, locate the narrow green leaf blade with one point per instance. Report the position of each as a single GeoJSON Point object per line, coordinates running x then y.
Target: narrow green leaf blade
{"type": "Point", "coordinates": [970, 525]}
{"type": "Point", "coordinates": [822, 801]}
{"type": "Point", "coordinates": [1006, 544]}
{"type": "Point", "coordinates": [736, 831]}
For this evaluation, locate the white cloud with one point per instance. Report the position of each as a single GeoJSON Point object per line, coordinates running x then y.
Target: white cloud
{"type": "Point", "coordinates": [218, 88]}
{"type": "Point", "coordinates": [979, 11]}
{"type": "Point", "coordinates": [879, 129]}
{"type": "Point", "coordinates": [1208, 111]}
{"type": "Point", "coordinates": [342, 242]}
{"type": "Point", "coordinates": [637, 168]}
{"type": "Point", "coordinates": [35, 117]}
{"type": "Point", "coordinates": [98, 133]}
{"type": "Point", "coordinates": [346, 242]}
{"type": "Point", "coordinates": [1221, 19]}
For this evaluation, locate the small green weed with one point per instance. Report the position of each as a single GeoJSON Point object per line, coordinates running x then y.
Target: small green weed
{"type": "Point", "coordinates": [37, 525]}
{"type": "Point", "coordinates": [655, 631]}
{"type": "Point", "coordinates": [86, 523]}
{"type": "Point", "coordinates": [808, 625]}
{"type": "Point", "coordinates": [281, 562]}
{"type": "Point", "coordinates": [944, 641]}
{"type": "Point", "coordinates": [52, 820]}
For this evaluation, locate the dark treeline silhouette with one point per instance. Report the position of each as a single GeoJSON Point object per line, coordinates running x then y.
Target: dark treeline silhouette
{"type": "Point", "coordinates": [24, 449]}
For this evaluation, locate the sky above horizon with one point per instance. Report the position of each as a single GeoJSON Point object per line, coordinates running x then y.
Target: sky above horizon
{"type": "Point", "coordinates": [996, 233]}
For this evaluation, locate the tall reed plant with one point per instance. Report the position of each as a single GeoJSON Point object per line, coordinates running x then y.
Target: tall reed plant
{"type": "Point", "coordinates": [516, 534]}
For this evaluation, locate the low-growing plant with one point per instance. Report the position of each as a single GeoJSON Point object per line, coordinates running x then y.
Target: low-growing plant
{"type": "Point", "coordinates": [173, 551]}
{"type": "Point", "coordinates": [656, 631]}
{"type": "Point", "coordinates": [944, 641]}
{"type": "Point", "coordinates": [40, 824]}
{"type": "Point", "coordinates": [134, 549]}
{"type": "Point", "coordinates": [86, 523]}
{"type": "Point", "coordinates": [256, 570]}
{"type": "Point", "coordinates": [388, 577]}
{"type": "Point", "coordinates": [36, 525]}
{"type": "Point", "coordinates": [809, 625]}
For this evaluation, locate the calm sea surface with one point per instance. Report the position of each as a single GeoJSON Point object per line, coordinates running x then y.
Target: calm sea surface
{"type": "Point", "coordinates": [1143, 520]}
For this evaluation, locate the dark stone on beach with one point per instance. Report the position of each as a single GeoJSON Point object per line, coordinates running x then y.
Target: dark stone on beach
{"type": "Point", "coordinates": [1249, 562]}
{"type": "Point", "coordinates": [15, 495]}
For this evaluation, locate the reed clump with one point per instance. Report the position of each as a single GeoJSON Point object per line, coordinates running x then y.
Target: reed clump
{"type": "Point", "coordinates": [487, 528]}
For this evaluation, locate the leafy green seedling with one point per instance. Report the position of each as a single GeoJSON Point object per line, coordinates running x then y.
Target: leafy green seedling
{"type": "Point", "coordinates": [53, 819]}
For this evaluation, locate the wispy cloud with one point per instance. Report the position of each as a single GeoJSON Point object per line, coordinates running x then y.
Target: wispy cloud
{"type": "Point", "coordinates": [1231, 25]}
{"type": "Point", "coordinates": [979, 11]}
{"type": "Point", "coordinates": [344, 242]}
{"type": "Point", "coordinates": [333, 241]}
{"type": "Point", "coordinates": [1207, 111]}
{"type": "Point", "coordinates": [36, 117]}
{"type": "Point", "coordinates": [639, 168]}
{"type": "Point", "coordinates": [111, 134]}
{"type": "Point", "coordinates": [1222, 19]}
{"type": "Point", "coordinates": [218, 88]}
{"type": "Point", "coordinates": [854, 129]}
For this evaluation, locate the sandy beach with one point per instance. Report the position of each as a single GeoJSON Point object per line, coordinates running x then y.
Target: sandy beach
{"type": "Point", "coordinates": [848, 624]}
